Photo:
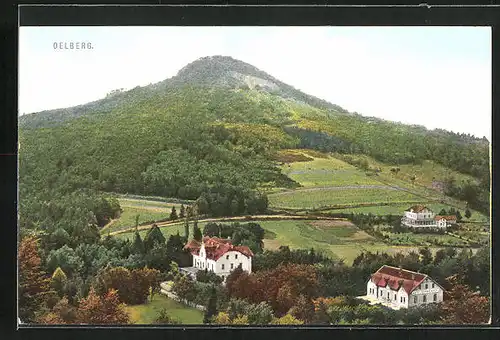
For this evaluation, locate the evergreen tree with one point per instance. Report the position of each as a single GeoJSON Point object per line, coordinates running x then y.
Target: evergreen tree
{"type": "Point", "coordinates": [468, 214]}
{"type": "Point", "coordinates": [186, 229]}
{"type": "Point", "coordinates": [173, 214]}
{"type": "Point", "coordinates": [58, 281]}
{"type": "Point", "coordinates": [197, 232]}
{"type": "Point", "coordinates": [137, 221]}
{"type": "Point", "coordinates": [153, 236]}
{"type": "Point", "coordinates": [459, 215]}
{"type": "Point", "coordinates": [137, 246]}
{"type": "Point", "coordinates": [182, 212]}
{"type": "Point", "coordinates": [211, 307]}
{"type": "Point", "coordinates": [443, 212]}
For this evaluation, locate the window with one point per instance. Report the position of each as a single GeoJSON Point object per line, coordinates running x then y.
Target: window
{"type": "Point", "coordinates": [236, 256]}
{"type": "Point", "coordinates": [223, 266]}
{"type": "Point", "coordinates": [426, 286]}
{"type": "Point", "coordinates": [425, 298]}
{"type": "Point", "coordinates": [415, 299]}
{"type": "Point", "coordinates": [395, 298]}
{"type": "Point", "coordinates": [433, 285]}
{"type": "Point", "coordinates": [401, 299]}
{"type": "Point", "coordinates": [388, 297]}
{"type": "Point", "coordinates": [227, 257]}
{"type": "Point", "coordinates": [232, 266]}
{"type": "Point", "coordinates": [435, 297]}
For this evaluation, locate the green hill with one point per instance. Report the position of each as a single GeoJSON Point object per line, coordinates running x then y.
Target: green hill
{"type": "Point", "coordinates": [213, 134]}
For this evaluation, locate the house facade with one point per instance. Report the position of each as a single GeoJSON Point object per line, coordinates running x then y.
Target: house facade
{"type": "Point", "coordinates": [219, 256]}
{"type": "Point", "coordinates": [399, 288]}
{"type": "Point", "coordinates": [419, 216]}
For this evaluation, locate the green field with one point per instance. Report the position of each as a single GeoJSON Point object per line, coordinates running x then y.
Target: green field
{"type": "Point", "coordinates": [398, 209]}
{"type": "Point", "coordinates": [147, 313]}
{"type": "Point", "coordinates": [147, 210]}
{"type": "Point", "coordinates": [325, 172]}
{"type": "Point", "coordinates": [327, 197]}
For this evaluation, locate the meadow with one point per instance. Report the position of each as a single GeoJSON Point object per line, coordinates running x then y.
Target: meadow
{"type": "Point", "coordinates": [148, 210]}
{"type": "Point", "coordinates": [333, 197]}
{"type": "Point", "coordinates": [148, 312]}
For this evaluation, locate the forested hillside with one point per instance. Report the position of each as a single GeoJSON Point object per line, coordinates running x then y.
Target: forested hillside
{"type": "Point", "coordinates": [205, 132]}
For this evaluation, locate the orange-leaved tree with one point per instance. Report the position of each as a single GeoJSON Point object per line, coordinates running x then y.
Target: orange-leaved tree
{"type": "Point", "coordinates": [461, 305]}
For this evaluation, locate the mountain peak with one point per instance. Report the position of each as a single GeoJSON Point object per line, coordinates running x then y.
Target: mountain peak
{"type": "Point", "coordinates": [225, 71]}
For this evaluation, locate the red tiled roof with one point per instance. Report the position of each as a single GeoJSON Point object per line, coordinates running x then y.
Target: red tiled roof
{"type": "Point", "coordinates": [396, 278]}
{"type": "Point", "coordinates": [448, 218]}
{"type": "Point", "coordinates": [216, 247]}
{"type": "Point", "coordinates": [418, 208]}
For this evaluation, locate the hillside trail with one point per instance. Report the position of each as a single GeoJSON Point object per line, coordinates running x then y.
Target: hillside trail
{"type": "Point", "coordinates": [227, 219]}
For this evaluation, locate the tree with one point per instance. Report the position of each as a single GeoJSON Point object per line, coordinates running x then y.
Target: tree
{"type": "Point", "coordinates": [463, 306]}
{"type": "Point", "coordinates": [186, 229]}
{"type": "Point", "coordinates": [211, 307]}
{"type": "Point", "coordinates": [321, 316]}
{"type": "Point", "coordinates": [197, 232]}
{"type": "Point", "coordinates": [182, 212]}
{"type": "Point", "coordinates": [153, 237]}
{"type": "Point", "coordinates": [173, 214]}
{"type": "Point", "coordinates": [211, 229]}
{"type": "Point", "coordinates": [164, 318]}
{"type": "Point", "coordinates": [426, 255]}
{"type": "Point", "coordinates": [58, 281]}
{"type": "Point", "coordinates": [137, 246]}
{"type": "Point", "coordinates": [222, 319]}
{"type": "Point", "coordinates": [137, 221]}
{"type": "Point", "coordinates": [459, 215]}
{"type": "Point", "coordinates": [33, 282]}
{"type": "Point", "coordinates": [287, 320]}
{"type": "Point", "coordinates": [468, 213]}
{"type": "Point", "coordinates": [442, 212]}
{"type": "Point", "coordinates": [303, 309]}
{"type": "Point", "coordinates": [106, 309]}
{"type": "Point", "coordinates": [62, 313]}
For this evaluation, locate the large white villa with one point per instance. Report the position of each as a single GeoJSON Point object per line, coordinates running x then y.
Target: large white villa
{"type": "Point", "coordinates": [219, 256]}
{"type": "Point", "coordinates": [419, 216]}
{"type": "Point", "coordinates": [399, 288]}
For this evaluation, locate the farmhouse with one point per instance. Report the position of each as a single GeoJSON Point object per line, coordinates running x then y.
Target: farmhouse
{"type": "Point", "coordinates": [219, 256]}
{"type": "Point", "coordinates": [399, 288]}
{"type": "Point", "coordinates": [419, 216]}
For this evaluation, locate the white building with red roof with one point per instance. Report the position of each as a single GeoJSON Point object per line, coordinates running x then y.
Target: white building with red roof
{"type": "Point", "coordinates": [419, 216]}
{"type": "Point", "coordinates": [219, 256]}
{"type": "Point", "coordinates": [400, 288]}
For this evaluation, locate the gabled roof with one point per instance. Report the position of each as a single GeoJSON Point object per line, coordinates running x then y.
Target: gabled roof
{"type": "Point", "coordinates": [216, 247]}
{"type": "Point", "coordinates": [396, 278]}
{"type": "Point", "coordinates": [448, 218]}
{"type": "Point", "coordinates": [418, 208]}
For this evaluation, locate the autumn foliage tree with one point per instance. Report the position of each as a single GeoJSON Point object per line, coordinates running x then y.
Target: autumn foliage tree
{"type": "Point", "coordinates": [133, 286]}
{"type": "Point", "coordinates": [105, 309]}
{"type": "Point", "coordinates": [280, 287]}
{"type": "Point", "coordinates": [34, 284]}
{"type": "Point", "coordinates": [463, 306]}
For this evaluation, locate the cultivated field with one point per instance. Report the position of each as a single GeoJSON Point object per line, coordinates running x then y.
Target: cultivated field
{"type": "Point", "coordinates": [315, 198]}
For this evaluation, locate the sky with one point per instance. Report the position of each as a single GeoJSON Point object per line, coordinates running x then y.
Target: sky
{"type": "Point", "coordinates": [438, 77]}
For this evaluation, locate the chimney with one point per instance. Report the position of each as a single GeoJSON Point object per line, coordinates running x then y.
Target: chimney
{"type": "Point", "coordinates": [413, 276]}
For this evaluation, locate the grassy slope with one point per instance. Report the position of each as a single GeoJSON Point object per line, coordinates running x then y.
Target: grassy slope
{"type": "Point", "coordinates": [147, 313]}
{"type": "Point", "coordinates": [331, 171]}
{"type": "Point", "coordinates": [147, 210]}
